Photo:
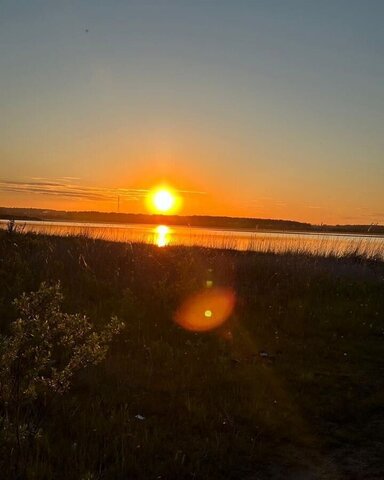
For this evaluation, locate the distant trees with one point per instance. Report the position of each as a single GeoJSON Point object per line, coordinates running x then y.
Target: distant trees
{"type": "Point", "coordinates": [207, 221]}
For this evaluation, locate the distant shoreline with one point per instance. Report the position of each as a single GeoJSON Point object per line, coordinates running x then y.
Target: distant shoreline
{"type": "Point", "coordinates": [93, 224]}
{"type": "Point", "coordinates": [196, 221]}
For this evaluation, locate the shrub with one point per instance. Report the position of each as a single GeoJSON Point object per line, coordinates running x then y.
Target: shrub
{"type": "Point", "coordinates": [43, 351]}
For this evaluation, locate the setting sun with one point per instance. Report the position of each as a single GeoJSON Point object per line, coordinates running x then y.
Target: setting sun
{"type": "Point", "coordinates": [163, 200]}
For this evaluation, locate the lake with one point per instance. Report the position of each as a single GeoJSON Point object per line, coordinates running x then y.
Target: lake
{"type": "Point", "coordinates": [163, 235]}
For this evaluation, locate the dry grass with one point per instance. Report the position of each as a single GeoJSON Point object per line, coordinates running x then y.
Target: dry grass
{"type": "Point", "coordinates": [299, 243]}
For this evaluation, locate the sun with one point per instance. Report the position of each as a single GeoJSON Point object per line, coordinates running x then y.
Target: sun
{"type": "Point", "coordinates": [163, 200]}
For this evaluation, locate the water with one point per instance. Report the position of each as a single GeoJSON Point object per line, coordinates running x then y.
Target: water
{"type": "Point", "coordinates": [162, 235]}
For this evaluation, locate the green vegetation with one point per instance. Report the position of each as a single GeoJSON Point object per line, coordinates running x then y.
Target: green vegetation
{"type": "Point", "coordinates": [290, 387]}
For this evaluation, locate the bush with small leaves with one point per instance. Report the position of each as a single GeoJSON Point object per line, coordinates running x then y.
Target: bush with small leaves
{"type": "Point", "coordinates": [43, 351]}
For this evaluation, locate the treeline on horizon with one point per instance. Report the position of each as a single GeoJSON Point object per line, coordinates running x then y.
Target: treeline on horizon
{"type": "Point", "coordinates": [35, 214]}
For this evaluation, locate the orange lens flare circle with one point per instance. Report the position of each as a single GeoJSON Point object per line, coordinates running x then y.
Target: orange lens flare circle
{"type": "Point", "coordinates": [206, 310]}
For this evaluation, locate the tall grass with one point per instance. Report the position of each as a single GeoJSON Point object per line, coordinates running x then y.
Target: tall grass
{"type": "Point", "coordinates": [291, 386]}
{"type": "Point", "coordinates": [313, 244]}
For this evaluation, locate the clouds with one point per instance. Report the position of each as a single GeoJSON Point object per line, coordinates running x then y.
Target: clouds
{"type": "Point", "coordinates": [66, 188]}
{"type": "Point", "coordinates": [60, 189]}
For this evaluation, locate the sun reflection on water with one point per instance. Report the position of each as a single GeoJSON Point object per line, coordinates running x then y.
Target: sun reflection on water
{"type": "Point", "coordinates": [162, 235]}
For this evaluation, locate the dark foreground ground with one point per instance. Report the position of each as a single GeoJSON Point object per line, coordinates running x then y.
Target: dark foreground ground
{"type": "Point", "coordinates": [291, 387]}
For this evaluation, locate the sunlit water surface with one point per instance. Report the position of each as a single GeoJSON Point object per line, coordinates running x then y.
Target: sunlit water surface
{"type": "Point", "coordinates": [162, 235]}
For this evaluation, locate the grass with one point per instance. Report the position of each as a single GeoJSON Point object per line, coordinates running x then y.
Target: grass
{"type": "Point", "coordinates": [268, 242]}
{"type": "Point", "coordinates": [290, 387]}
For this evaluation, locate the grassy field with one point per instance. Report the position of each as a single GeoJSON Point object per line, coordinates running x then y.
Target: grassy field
{"type": "Point", "coordinates": [290, 387]}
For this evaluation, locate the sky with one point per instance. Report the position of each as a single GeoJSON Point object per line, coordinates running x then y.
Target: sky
{"type": "Point", "coordinates": [252, 108]}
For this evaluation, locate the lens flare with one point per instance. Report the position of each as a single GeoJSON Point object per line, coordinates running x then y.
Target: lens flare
{"type": "Point", "coordinates": [206, 310]}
